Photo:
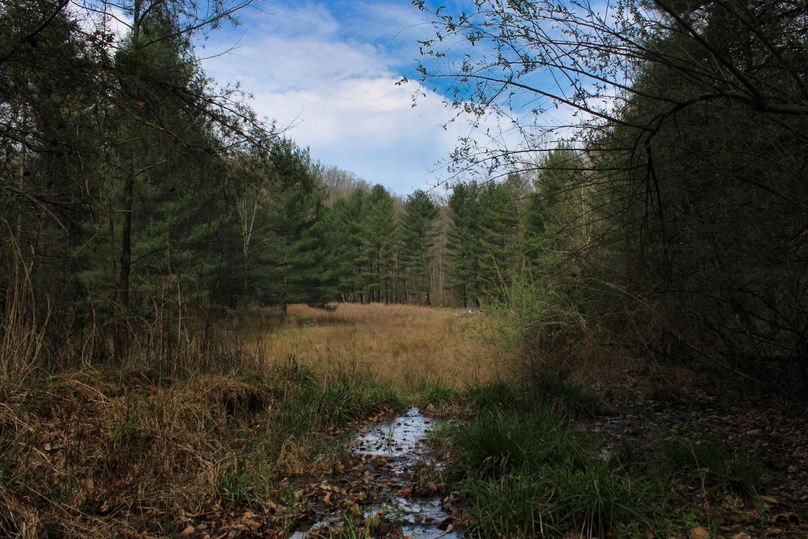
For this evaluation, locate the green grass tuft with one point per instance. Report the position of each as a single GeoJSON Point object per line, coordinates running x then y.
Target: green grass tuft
{"type": "Point", "coordinates": [496, 443]}
{"type": "Point", "coordinates": [437, 394]}
{"type": "Point", "coordinates": [497, 395]}
{"type": "Point", "coordinates": [555, 391]}
{"type": "Point", "coordinates": [234, 487]}
{"type": "Point", "coordinates": [713, 463]}
{"type": "Point", "coordinates": [529, 475]}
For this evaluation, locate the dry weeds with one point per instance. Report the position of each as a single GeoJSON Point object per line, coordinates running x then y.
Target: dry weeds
{"type": "Point", "coordinates": [122, 451]}
{"type": "Point", "coordinates": [100, 454]}
{"type": "Point", "coordinates": [410, 347]}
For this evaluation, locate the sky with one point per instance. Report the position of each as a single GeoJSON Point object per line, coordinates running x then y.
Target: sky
{"type": "Point", "coordinates": [328, 70]}
{"type": "Point", "coordinates": [329, 73]}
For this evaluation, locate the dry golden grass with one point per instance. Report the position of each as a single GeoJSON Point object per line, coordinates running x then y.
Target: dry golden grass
{"type": "Point", "coordinates": [101, 454]}
{"type": "Point", "coordinates": [116, 452]}
{"type": "Point", "coordinates": [407, 346]}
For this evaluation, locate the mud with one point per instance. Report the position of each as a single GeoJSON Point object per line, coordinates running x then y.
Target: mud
{"type": "Point", "coordinates": [398, 450]}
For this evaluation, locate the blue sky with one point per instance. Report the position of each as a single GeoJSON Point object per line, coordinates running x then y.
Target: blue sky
{"type": "Point", "coordinates": [328, 70]}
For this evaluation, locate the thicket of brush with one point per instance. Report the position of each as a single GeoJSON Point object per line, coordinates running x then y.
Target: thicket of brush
{"type": "Point", "coordinates": [171, 428]}
{"type": "Point", "coordinates": [671, 224]}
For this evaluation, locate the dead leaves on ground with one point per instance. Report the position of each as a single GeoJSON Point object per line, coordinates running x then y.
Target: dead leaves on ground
{"type": "Point", "coordinates": [318, 500]}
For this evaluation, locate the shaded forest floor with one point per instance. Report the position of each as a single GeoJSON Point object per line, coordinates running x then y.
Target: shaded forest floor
{"type": "Point", "coordinates": [733, 464]}
{"type": "Point", "coordinates": [272, 450]}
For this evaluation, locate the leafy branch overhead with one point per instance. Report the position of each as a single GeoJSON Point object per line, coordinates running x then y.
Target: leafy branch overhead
{"type": "Point", "coordinates": [524, 59]}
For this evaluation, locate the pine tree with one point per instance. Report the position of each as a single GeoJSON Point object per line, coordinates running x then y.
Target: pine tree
{"type": "Point", "coordinates": [168, 182]}
{"type": "Point", "coordinates": [499, 234]}
{"type": "Point", "coordinates": [376, 236]}
{"type": "Point", "coordinates": [344, 240]}
{"type": "Point", "coordinates": [463, 240]}
{"type": "Point", "coordinates": [415, 235]}
{"type": "Point", "coordinates": [553, 209]}
{"type": "Point", "coordinates": [292, 256]}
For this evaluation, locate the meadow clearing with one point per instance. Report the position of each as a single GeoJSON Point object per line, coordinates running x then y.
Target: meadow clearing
{"type": "Point", "coordinates": [225, 442]}
{"type": "Point", "coordinates": [409, 347]}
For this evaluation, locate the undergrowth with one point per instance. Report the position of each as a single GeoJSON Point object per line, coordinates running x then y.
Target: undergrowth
{"type": "Point", "coordinates": [523, 471]}
{"type": "Point", "coordinates": [111, 453]}
{"type": "Point", "coordinates": [545, 391]}
{"type": "Point", "coordinates": [525, 474]}
{"type": "Point", "coordinates": [714, 464]}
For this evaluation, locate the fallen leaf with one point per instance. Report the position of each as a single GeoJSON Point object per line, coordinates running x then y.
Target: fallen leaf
{"type": "Point", "coordinates": [187, 532]}
{"type": "Point", "coordinates": [787, 516]}
{"type": "Point", "coordinates": [699, 533]}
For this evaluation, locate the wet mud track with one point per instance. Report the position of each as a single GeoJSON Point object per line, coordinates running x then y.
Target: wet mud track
{"type": "Point", "coordinates": [408, 499]}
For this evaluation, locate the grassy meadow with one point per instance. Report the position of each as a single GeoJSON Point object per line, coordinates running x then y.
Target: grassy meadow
{"type": "Point", "coordinates": [407, 347]}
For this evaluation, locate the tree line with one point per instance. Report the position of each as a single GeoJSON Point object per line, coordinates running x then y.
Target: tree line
{"type": "Point", "coordinates": [680, 232]}
{"type": "Point", "coordinates": [140, 201]}
{"type": "Point", "coordinates": [465, 248]}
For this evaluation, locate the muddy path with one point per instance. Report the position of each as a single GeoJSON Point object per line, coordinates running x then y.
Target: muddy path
{"type": "Point", "coordinates": [407, 497]}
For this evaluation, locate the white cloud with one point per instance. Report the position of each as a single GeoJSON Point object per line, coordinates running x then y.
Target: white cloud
{"type": "Point", "coordinates": [370, 127]}
{"type": "Point", "coordinates": [334, 81]}
{"type": "Point", "coordinates": [340, 94]}
{"type": "Point", "coordinates": [105, 18]}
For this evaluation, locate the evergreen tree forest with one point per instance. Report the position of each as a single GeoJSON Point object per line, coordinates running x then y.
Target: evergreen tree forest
{"type": "Point", "coordinates": [137, 196]}
{"type": "Point", "coordinates": [134, 192]}
{"type": "Point", "coordinates": [206, 329]}
{"type": "Point", "coordinates": [137, 192]}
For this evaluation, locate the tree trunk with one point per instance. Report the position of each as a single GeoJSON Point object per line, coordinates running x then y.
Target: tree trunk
{"type": "Point", "coordinates": [126, 244]}
{"type": "Point", "coordinates": [123, 290]}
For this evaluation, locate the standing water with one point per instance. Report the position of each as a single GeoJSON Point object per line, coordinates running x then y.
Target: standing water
{"type": "Point", "coordinates": [400, 445]}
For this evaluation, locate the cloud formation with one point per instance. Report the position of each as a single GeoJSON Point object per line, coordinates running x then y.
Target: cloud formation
{"type": "Point", "coordinates": [330, 71]}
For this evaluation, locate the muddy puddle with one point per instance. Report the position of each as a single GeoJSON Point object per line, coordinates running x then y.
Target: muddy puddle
{"type": "Point", "coordinates": [397, 449]}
